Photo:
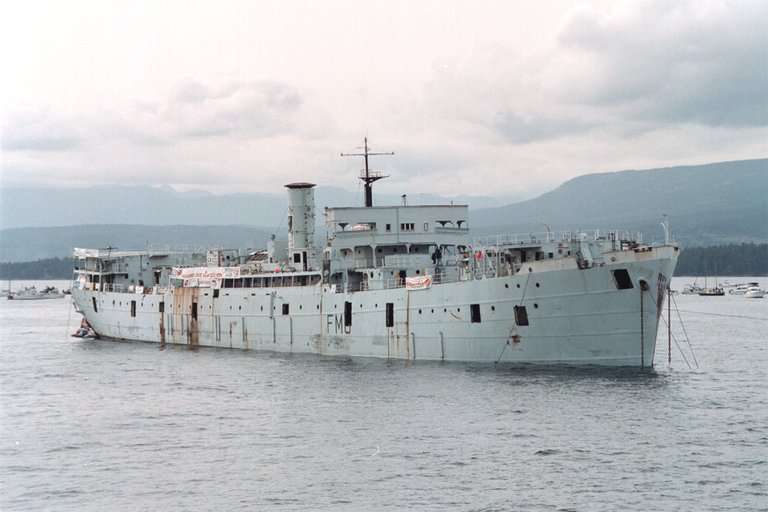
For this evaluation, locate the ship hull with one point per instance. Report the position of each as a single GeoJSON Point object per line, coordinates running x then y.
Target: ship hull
{"type": "Point", "coordinates": [551, 312]}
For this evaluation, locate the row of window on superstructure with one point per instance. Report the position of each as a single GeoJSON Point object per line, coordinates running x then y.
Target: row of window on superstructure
{"type": "Point", "coordinates": [404, 226]}
{"type": "Point", "coordinates": [276, 281]}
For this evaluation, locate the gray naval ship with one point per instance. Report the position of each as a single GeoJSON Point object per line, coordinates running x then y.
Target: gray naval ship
{"type": "Point", "coordinates": [402, 282]}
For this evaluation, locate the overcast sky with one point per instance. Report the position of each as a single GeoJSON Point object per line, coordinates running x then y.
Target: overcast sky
{"type": "Point", "coordinates": [484, 98]}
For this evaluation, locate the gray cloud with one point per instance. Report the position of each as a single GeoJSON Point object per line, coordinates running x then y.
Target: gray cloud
{"type": "Point", "coordinates": [191, 91]}
{"type": "Point", "coordinates": [521, 130]}
{"type": "Point", "coordinates": [673, 62]}
{"type": "Point", "coordinates": [247, 108]}
{"type": "Point", "coordinates": [467, 101]}
{"type": "Point", "coordinates": [38, 131]}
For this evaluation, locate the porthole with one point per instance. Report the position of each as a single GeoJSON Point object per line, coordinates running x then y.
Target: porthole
{"type": "Point", "coordinates": [537, 285]}
{"type": "Point", "coordinates": [493, 308]}
{"type": "Point", "coordinates": [419, 311]}
{"type": "Point", "coordinates": [518, 285]}
{"type": "Point", "coordinates": [506, 285]}
{"type": "Point", "coordinates": [535, 305]}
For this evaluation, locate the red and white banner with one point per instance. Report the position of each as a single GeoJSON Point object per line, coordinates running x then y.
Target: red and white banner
{"type": "Point", "coordinates": [418, 282]}
{"type": "Point", "coordinates": [206, 272]}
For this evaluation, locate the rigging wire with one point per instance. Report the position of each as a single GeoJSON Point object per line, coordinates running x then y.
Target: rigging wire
{"type": "Point", "coordinates": [680, 318]}
{"type": "Point", "coordinates": [69, 314]}
{"type": "Point", "coordinates": [506, 342]}
{"type": "Point", "coordinates": [668, 322]}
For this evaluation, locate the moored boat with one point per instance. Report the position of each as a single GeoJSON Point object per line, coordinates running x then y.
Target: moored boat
{"type": "Point", "coordinates": [691, 289]}
{"type": "Point", "coordinates": [754, 292]}
{"type": "Point", "coordinates": [403, 282]}
{"type": "Point", "coordinates": [741, 288]}
{"type": "Point", "coordinates": [32, 293]}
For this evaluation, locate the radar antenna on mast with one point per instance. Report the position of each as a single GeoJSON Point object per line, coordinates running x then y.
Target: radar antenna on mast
{"type": "Point", "coordinates": [367, 175]}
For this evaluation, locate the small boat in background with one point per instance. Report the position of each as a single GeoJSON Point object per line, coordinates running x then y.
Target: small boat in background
{"type": "Point", "coordinates": [742, 288]}
{"type": "Point", "coordinates": [691, 289]}
{"type": "Point", "coordinates": [754, 292]}
{"type": "Point", "coordinates": [32, 293]}
{"type": "Point", "coordinates": [717, 291]}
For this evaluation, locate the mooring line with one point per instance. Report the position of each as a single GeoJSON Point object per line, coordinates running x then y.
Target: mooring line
{"type": "Point", "coordinates": [642, 327]}
{"type": "Point", "coordinates": [723, 314]}
{"type": "Point", "coordinates": [668, 323]}
{"type": "Point", "coordinates": [680, 318]}
{"type": "Point", "coordinates": [69, 314]}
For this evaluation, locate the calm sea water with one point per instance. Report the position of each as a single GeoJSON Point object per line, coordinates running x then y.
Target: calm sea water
{"type": "Point", "coordinates": [99, 425]}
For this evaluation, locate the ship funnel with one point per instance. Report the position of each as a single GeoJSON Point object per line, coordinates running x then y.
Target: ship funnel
{"type": "Point", "coordinates": [302, 254]}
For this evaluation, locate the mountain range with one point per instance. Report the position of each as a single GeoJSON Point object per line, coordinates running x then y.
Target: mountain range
{"type": "Point", "coordinates": [162, 206]}
{"type": "Point", "coordinates": [710, 204]}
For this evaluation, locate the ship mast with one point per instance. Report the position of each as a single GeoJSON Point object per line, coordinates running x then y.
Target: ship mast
{"type": "Point", "coordinates": [367, 175]}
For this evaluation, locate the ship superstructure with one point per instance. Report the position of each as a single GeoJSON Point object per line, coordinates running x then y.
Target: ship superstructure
{"type": "Point", "coordinates": [402, 282]}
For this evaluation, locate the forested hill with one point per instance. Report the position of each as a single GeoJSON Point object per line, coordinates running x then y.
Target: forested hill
{"type": "Point", "coordinates": [706, 204]}
{"type": "Point", "coordinates": [31, 244]}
